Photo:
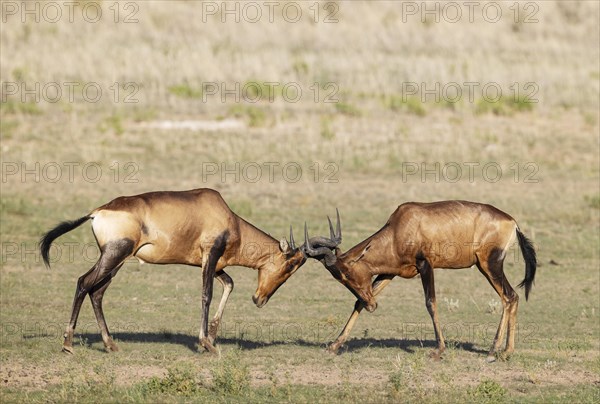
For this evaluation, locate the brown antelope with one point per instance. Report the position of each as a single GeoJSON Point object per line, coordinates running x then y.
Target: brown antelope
{"type": "Point", "coordinates": [189, 227]}
{"type": "Point", "coordinates": [419, 237]}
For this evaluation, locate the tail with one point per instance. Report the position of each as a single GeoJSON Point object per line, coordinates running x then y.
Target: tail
{"type": "Point", "coordinates": [530, 262]}
{"type": "Point", "coordinates": [59, 230]}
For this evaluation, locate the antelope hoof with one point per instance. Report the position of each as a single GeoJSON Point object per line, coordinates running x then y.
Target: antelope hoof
{"type": "Point", "coordinates": [436, 355]}
{"type": "Point", "coordinates": [68, 349]}
{"type": "Point", "coordinates": [111, 347]}
{"type": "Point", "coordinates": [491, 358]}
{"type": "Point", "coordinates": [213, 328]}
{"type": "Point", "coordinates": [503, 356]}
{"type": "Point", "coordinates": [371, 307]}
{"type": "Point", "coordinates": [333, 349]}
{"type": "Point", "coordinates": [208, 346]}
{"type": "Point", "coordinates": [506, 354]}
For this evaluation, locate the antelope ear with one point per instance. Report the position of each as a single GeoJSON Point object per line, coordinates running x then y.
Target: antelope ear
{"type": "Point", "coordinates": [284, 246]}
{"type": "Point", "coordinates": [361, 255]}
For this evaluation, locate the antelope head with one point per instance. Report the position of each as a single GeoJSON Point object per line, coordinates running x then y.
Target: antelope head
{"type": "Point", "coordinates": [279, 267]}
{"type": "Point", "coordinates": [354, 275]}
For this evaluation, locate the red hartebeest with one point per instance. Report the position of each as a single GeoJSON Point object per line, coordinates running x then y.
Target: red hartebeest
{"type": "Point", "coordinates": [419, 237]}
{"type": "Point", "coordinates": [189, 227]}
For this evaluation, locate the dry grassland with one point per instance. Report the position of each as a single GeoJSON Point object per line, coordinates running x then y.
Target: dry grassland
{"type": "Point", "coordinates": [367, 143]}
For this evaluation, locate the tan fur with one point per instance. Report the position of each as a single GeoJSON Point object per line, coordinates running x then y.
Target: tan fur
{"type": "Point", "coordinates": [193, 227]}
{"type": "Point", "coordinates": [421, 236]}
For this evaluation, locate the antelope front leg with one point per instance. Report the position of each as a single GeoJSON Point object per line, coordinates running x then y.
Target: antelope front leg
{"type": "Point", "coordinates": [378, 284]}
{"type": "Point", "coordinates": [209, 266]}
{"type": "Point", "coordinates": [208, 276]}
{"type": "Point", "coordinates": [426, 272]}
{"type": "Point", "coordinates": [213, 327]}
{"type": "Point", "coordinates": [335, 346]}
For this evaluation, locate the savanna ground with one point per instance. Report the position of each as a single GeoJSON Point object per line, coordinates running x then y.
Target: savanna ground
{"type": "Point", "coordinates": [363, 152]}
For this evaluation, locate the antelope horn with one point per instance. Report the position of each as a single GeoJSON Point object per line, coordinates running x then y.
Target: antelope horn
{"type": "Point", "coordinates": [330, 257]}
{"type": "Point", "coordinates": [338, 225]}
{"type": "Point", "coordinates": [307, 245]}
{"type": "Point", "coordinates": [292, 242]}
{"type": "Point", "coordinates": [336, 236]}
{"type": "Point", "coordinates": [323, 242]}
{"type": "Point", "coordinates": [331, 233]}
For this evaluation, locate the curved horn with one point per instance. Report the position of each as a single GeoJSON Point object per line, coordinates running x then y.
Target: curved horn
{"type": "Point", "coordinates": [319, 241]}
{"type": "Point", "coordinates": [331, 233]}
{"type": "Point", "coordinates": [292, 242]}
{"type": "Point", "coordinates": [337, 236]}
{"type": "Point", "coordinates": [330, 257]}
{"type": "Point", "coordinates": [338, 225]}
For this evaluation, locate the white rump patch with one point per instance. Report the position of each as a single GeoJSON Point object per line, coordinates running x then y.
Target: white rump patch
{"type": "Point", "coordinates": [511, 240]}
{"type": "Point", "coordinates": [112, 225]}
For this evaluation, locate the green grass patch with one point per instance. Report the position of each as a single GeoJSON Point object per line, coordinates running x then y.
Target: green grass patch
{"type": "Point", "coordinates": [8, 128]}
{"type": "Point", "coordinates": [347, 109]}
{"type": "Point", "coordinates": [113, 123]}
{"type": "Point", "coordinates": [255, 90]}
{"type": "Point", "coordinates": [179, 381]}
{"type": "Point", "coordinates": [11, 107]}
{"type": "Point", "coordinates": [143, 114]}
{"type": "Point", "coordinates": [327, 132]}
{"type": "Point", "coordinates": [231, 376]}
{"type": "Point", "coordinates": [185, 90]}
{"type": "Point", "coordinates": [593, 201]}
{"type": "Point", "coordinates": [504, 106]}
{"type": "Point", "coordinates": [301, 68]}
{"type": "Point", "coordinates": [410, 105]}
{"type": "Point", "coordinates": [488, 391]}
{"type": "Point", "coordinates": [255, 116]}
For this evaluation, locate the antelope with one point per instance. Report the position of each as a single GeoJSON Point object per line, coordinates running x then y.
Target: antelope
{"type": "Point", "coordinates": [419, 237]}
{"type": "Point", "coordinates": [194, 228]}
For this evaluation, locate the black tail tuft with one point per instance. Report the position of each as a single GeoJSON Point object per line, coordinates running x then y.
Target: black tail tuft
{"type": "Point", "coordinates": [530, 262]}
{"type": "Point", "coordinates": [59, 230]}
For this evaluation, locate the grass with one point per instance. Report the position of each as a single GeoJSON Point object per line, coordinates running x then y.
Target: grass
{"type": "Point", "coordinates": [593, 201]}
{"type": "Point", "coordinates": [277, 353]}
{"type": "Point", "coordinates": [12, 107]}
{"type": "Point", "coordinates": [179, 381]}
{"type": "Point", "coordinates": [141, 393]}
{"type": "Point", "coordinates": [231, 376]}
{"type": "Point", "coordinates": [411, 105]}
{"type": "Point", "coordinates": [504, 105]}
{"type": "Point", "coordinates": [255, 90]}
{"type": "Point", "coordinates": [255, 116]}
{"type": "Point", "coordinates": [113, 123]}
{"type": "Point", "coordinates": [488, 391]}
{"type": "Point", "coordinates": [185, 91]}
{"type": "Point", "coordinates": [347, 109]}
{"type": "Point", "coordinates": [327, 132]}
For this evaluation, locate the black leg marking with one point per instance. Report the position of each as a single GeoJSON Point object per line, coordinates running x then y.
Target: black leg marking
{"type": "Point", "coordinates": [96, 296]}
{"type": "Point", "coordinates": [427, 279]}
{"type": "Point", "coordinates": [112, 256]}
{"type": "Point", "coordinates": [493, 270]}
{"type": "Point", "coordinates": [208, 276]}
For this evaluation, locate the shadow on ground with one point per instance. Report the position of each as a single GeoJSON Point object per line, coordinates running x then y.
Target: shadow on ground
{"type": "Point", "coordinates": [191, 342]}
